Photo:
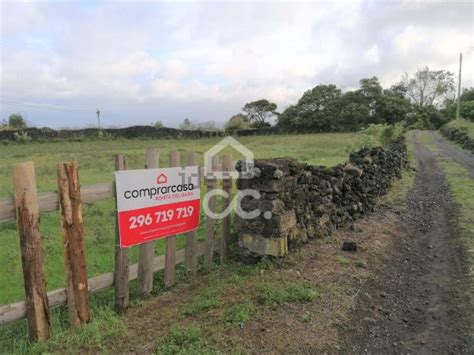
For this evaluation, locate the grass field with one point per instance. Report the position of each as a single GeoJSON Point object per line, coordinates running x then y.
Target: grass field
{"type": "Point", "coordinates": [96, 165]}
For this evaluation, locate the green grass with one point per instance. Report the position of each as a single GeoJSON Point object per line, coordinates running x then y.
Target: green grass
{"type": "Point", "coordinates": [184, 340]}
{"type": "Point", "coordinates": [463, 124]}
{"type": "Point", "coordinates": [96, 158]}
{"type": "Point", "coordinates": [240, 313]}
{"type": "Point", "coordinates": [342, 260]}
{"type": "Point", "coordinates": [96, 165]}
{"type": "Point", "coordinates": [105, 325]}
{"type": "Point", "coordinates": [274, 293]}
{"type": "Point", "coordinates": [210, 297]}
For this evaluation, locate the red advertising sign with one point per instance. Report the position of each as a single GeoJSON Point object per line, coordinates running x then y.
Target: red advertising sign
{"type": "Point", "coordinates": [156, 203]}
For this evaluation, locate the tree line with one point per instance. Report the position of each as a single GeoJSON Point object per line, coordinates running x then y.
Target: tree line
{"type": "Point", "coordinates": [422, 100]}
{"type": "Point", "coordinates": [425, 99]}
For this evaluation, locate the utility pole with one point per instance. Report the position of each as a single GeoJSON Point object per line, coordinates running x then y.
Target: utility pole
{"type": "Point", "coordinates": [459, 86]}
{"type": "Point", "coordinates": [98, 119]}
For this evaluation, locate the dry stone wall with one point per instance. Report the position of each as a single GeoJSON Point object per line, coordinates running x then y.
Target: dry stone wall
{"type": "Point", "coordinates": [300, 201]}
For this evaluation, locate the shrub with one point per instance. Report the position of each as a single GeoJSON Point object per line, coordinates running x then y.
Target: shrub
{"type": "Point", "coordinates": [21, 137]}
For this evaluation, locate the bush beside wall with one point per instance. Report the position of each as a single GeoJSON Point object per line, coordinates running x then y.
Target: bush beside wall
{"type": "Point", "coordinates": [459, 136]}
{"type": "Point", "coordinates": [300, 202]}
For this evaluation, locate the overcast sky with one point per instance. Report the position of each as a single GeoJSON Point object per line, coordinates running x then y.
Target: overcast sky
{"type": "Point", "coordinates": [140, 62]}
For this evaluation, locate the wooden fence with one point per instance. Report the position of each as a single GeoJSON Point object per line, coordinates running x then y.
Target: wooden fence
{"type": "Point", "coordinates": [26, 206]}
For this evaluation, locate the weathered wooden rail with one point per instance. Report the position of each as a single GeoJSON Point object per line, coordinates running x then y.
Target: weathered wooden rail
{"type": "Point", "coordinates": [69, 200]}
{"type": "Point", "coordinates": [17, 311]}
{"type": "Point", "coordinates": [49, 201]}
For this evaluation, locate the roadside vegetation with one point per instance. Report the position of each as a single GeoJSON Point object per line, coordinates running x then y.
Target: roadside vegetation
{"type": "Point", "coordinates": [463, 125]}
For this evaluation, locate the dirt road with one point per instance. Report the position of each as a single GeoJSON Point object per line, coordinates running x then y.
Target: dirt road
{"type": "Point", "coordinates": [449, 150]}
{"type": "Point", "coordinates": [415, 304]}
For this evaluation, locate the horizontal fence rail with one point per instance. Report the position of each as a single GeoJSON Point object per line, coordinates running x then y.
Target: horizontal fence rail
{"type": "Point", "coordinates": [49, 201]}
{"type": "Point", "coordinates": [25, 208]}
{"type": "Point", "coordinates": [56, 298]}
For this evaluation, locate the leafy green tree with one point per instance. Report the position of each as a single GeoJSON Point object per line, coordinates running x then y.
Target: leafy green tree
{"type": "Point", "coordinates": [429, 87]}
{"type": "Point", "coordinates": [354, 112]}
{"type": "Point", "coordinates": [286, 119]}
{"type": "Point", "coordinates": [396, 90]}
{"type": "Point", "coordinates": [426, 117]}
{"type": "Point", "coordinates": [318, 109]}
{"type": "Point", "coordinates": [392, 108]}
{"type": "Point", "coordinates": [16, 121]}
{"type": "Point", "coordinates": [371, 91]}
{"type": "Point", "coordinates": [467, 95]}
{"type": "Point", "coordinates": [259, 111]}
{"type": "Point", "coordinates": [158, 124]}
{"type": "Point", "coordinates": [466, 110]}
{"type": "Point", "coordinates": [238, 121]}
{"type": "Point", "coordinates": [353, 116]}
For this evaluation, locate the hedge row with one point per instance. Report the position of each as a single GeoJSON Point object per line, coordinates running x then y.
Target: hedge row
{"type": "Point", "coordinates": [129, 132]}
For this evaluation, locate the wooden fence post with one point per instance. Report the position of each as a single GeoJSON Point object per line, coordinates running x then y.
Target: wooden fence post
{"type": "Point", "coordinates": [28, 219]}
{"type": "Point", "coordinates": [121, 256]}
{"type": "Point", "coordinates": [226, 187]}
{"type": "Point", "coordinates": [72, 229]}
{"type": "Point", "coordinates": [211, 183]}
{"type": "Point", "coordinates": [190, 251]}
{"type": "Point", "coordinates": [170, 256]}
{"type": "Point", "coordinates": [147, 250]}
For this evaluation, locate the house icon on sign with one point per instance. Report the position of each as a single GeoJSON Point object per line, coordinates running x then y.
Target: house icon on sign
{"type": "Point", "coordinates": [162, 179]}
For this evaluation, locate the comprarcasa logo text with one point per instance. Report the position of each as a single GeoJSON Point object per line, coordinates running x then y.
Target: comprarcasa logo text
{"type": "Point", "coordinates": [161, 192]}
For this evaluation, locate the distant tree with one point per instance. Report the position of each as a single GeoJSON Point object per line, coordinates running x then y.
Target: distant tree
{"type": "Point", "coordinates": [207, 126]}
{"type": "Point", "coordinates": [466, 110]}
{"type": "Point", "coordinates": [467, 94]}
{"type": "Point", "coordinates": [396, 90]}
{"type": "Point", "coordinates": [188, 124]}
{"type": "Point", "coordinates": [16, 121]}
{"type": "Point", "coordinates": [465, 107]}
{"type": "Point", "coordinates": [259, 111]}
{"type": "Point", "coordinates": [371, 92]}
{"type": "Point", "coordinates": [425, 117]}
{"type": "Point", "coordinates": [429, 87]}
{"type": "Point", "coordinates": [318, 109]}
{"type": "Point", "coordinates": [287, 119]}
{"type": "Point", "coordinates": [392, 108]}
{"type": "Point", "coordinates": [158, 124]}
{"type": "Point", "coordinates": [354, 111]}
{"type": "Point", "coordinates": [352, 117]}
{"type": "Point", "coordinates": [238, 121]}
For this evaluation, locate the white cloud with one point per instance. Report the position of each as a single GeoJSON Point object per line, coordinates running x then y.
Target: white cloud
{"type": "Point", "coordinates": [372, 54]}
{"type": "Point", "coordinates": [176, 57]}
